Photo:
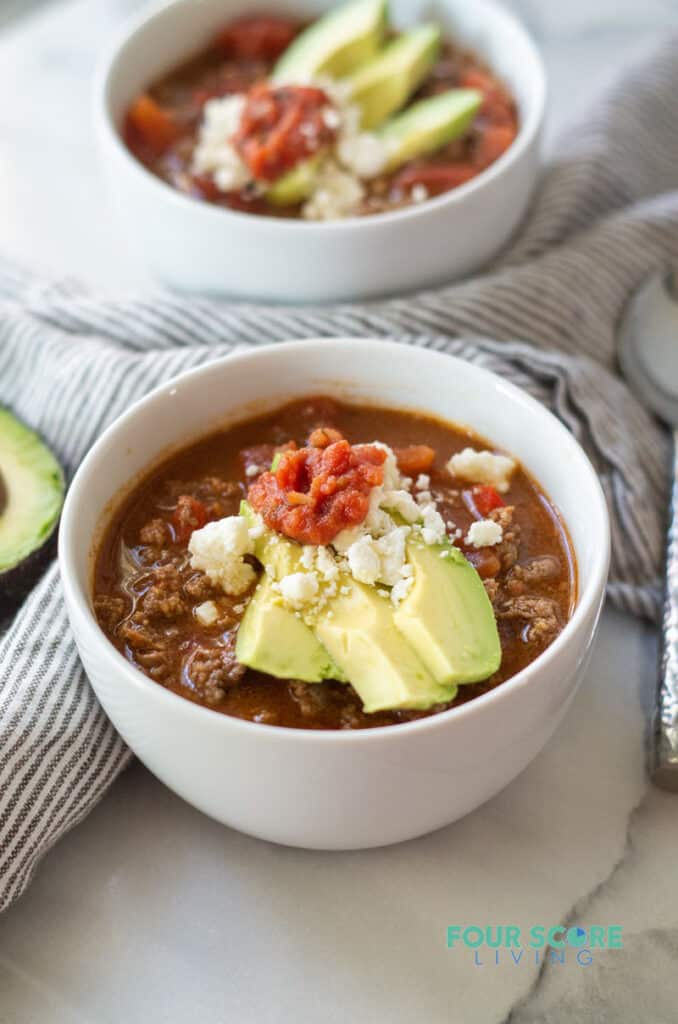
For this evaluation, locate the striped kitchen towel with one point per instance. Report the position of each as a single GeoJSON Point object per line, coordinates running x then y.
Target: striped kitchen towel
{"type": "Point", "coordinates": [544, 317]}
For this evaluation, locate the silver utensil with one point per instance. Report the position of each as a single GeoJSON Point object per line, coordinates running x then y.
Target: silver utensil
{"type": "Point", "coordinates": [648, 354]}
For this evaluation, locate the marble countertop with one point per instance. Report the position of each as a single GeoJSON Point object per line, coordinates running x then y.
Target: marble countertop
{"type": "Point", "coordinates": [148, 911]}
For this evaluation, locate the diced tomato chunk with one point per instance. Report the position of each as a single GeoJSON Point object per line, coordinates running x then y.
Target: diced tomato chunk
{"type": "Point", "coordinates": [280, 127]}
{"type": "Point", "coordinates": [435, 177]}
{"type": "Point", "coordinates": [494, 140]}
{"type": "Point", "coordinates": [315, 493]}
{"type": "Point", "coordinates": [256, 36]}
{"type": "Point", "coordinates": [485, 562]}
{"type": "Point", "coordinates": [415, 459]}
{"type": "Point", "coordinates": [485, 498]}
{"type": "Point", "coordinates": [148, 123]}
{"type": "Point", "coordinates": [321, 437]}
{"type": "Point", "coordinates": [497, 106]}
{"type": "Point", "coordinates": [189, 515]}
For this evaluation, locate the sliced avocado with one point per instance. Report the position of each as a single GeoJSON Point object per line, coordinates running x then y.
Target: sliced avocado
{"type": "Point", "coordinates": [297, 184]}
{"type": "Point", "coordinates": [335, 44]}
{"type": "Point", "coordinates": [383, 84]}
{"type": "Point", "coordinates": [275, 552]}
{"type": "Point", "coordinates": [447, 617]}
{"type": "Point", "coordinates": [31, 496]}
{"type": "Point", "coordinates": [358, 631]}
{"type": "Point", "coordinates": [429, 124]}
{"type": "Point", "coordinates": [272, 639]}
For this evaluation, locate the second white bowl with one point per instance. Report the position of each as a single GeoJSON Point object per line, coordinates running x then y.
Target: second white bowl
{"type": "Point", "coordinates": [193, 245]}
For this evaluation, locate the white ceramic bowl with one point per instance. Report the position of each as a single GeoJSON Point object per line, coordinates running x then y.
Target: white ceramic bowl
{"type": "Point", "coordinates": [192, 245]}
{"type": "Point", "coordinates": [337, 790]}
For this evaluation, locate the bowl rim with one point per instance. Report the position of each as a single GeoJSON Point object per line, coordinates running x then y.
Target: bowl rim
{"type": "Point", "coordinates": [528, 131]}
{"type": "Point", "coordinates": [589, 599]}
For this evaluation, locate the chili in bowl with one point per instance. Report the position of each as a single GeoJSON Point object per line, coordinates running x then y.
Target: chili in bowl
{"type": "Point", "coordinates": [327, 607]}
{"type": "Point", "coordinates": [320, 153]}
{"type": "Point", "coordinates": [343, 116]}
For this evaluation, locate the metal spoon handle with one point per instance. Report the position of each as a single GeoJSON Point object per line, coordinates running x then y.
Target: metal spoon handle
{"type": "Point", "coordinates": [664, 753]}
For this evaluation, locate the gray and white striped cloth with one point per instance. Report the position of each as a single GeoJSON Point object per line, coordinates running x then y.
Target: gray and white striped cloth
{"type": "Point", "coordinates": [71, 361]}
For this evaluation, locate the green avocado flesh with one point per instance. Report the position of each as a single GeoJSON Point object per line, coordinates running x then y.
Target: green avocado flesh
{"type": "Point", "coordinates": [271, 638]}
{"type": "Point", "coordinates": [384, 84]}
{"type": "Point", "coordinates": [429, 124]}
{"type": "Point", "coordinates": [447, 617]}
{"type": "Point", "coordinates": [31, 492]}
{"type": "Point", "coordinates": [347, 44]}
{"type": "Point", "coordinates": [363, 640]}
{"type": "Point", "coordinates": [297, 184]}
{"type": "Point", "coordinates": [335, 44]}
{"type": "Point", "coordinates": [443, 633]}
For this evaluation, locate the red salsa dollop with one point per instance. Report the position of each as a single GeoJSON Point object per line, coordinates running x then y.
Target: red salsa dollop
{"type": "Point", "coordinates": [280, 127]}
{"type": "Point", "coordinates": [316, 492]}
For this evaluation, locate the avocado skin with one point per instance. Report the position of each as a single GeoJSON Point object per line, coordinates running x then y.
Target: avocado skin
{"type": "Point", "coordinates": [15, 583]}
{"type": "Point", "coordinates": [336, 43]}
{"type": "Point", "coordinates": [426, 126]}
{"type": "Point", "coordinates": [383, 85]}
{"type": "Point", "coordinates": [23, 559]}
{"type": "Point", "coordinates": [447, 617]}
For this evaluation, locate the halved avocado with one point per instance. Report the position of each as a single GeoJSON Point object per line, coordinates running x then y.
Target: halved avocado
{"type": "Point", "coordinates": [335, 44]}
{"type": "Point", "coordinates": [31, 496]}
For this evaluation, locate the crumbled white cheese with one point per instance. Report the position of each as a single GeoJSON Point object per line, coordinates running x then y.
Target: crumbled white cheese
{"type": "Point", "coordinates": [215, 154]}
{"type": "Point", "coordinates": [326, 565]}
{"type": "Point", "coordinates": [257, 529]}
{"type": "Point", "coordinates": [337, 194]}
{"type": "Point", "coordinates": [391, 548]}
{"type": "Point", "coordinates": [206, 613]}
{"type": "Point", "coordinates": [482, 467]}
{"type": "Point", "coordinates": [377, 521]}
{"type": "Point", "coordinates": [484, 533]}
{"type": "Point", "coordinates": [364, 561]}
{"type": "Point", "coordinates": [393, 480]}
{"type": "Point", "coordinates": [433, 528]}
{"type": "Point", "coordinates": [364, 154]}
{"type": "Point", "coordinates": [254, 470]}
{"type": "Point", "coordinates": [307, 557]}
{"type": "Point", "coordinates": [379, 560]}
{"type": "Point", "coordinates": [299, 588]}
{"type": "Point", "coordinates": [403, 503]}
{"type": "Point", "coordinates": [331, 117]}
{"type": "Point", "coordinates": [423, 482]}
{"type": "Point", "coordinates": [419, 193]}
{"type": "Point", "coordinates": [218, 549]}
{"type": "Point", "coordinates": [401, 589]}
